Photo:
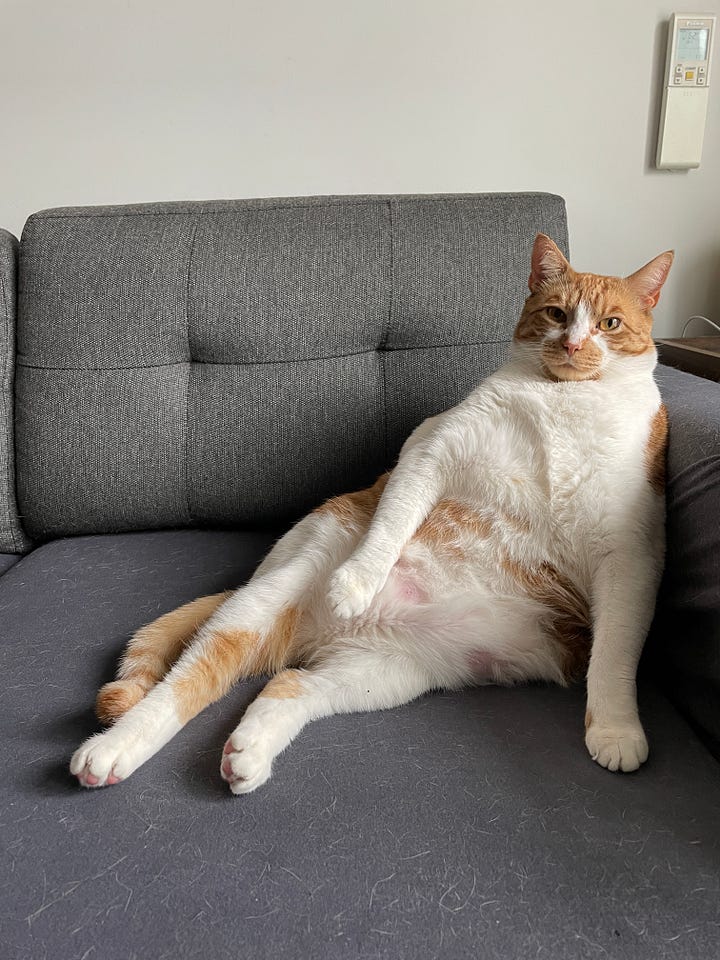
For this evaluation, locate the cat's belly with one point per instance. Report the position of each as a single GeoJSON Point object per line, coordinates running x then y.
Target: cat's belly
{"type": "Point", "coordinates": [464, 630]}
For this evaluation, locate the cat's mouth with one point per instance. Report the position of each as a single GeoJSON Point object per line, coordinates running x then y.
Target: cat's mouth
{"type": "Point", "coordinates": [571, 369]}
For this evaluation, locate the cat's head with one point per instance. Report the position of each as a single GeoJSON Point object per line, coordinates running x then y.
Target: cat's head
{"type": "Point", "coordinates": [574, 326]}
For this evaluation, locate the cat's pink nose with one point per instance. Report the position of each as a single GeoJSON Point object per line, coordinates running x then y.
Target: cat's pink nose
{"type": "Point", "coordinates": [571, 347]}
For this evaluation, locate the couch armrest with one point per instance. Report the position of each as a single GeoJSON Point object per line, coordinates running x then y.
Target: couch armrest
{"type": "Point", "coordinates": [684, 646]}
{"type": "Point", "coordinates": [12, 538]}
{"type": "Point", "coordinates": [694, 410]}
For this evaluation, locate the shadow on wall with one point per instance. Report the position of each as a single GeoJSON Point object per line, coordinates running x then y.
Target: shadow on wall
{"type": "Point", "coordinates": [656, 92]}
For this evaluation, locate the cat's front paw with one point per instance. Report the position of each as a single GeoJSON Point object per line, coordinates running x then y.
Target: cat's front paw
{"type": "Point", "coordinates": [621, 746]}
{"type": "Point", "coordinates": [351, 591]}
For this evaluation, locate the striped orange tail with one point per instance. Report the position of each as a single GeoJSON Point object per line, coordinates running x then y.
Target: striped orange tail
{"type": "Point", "coordinates": [151, 653]}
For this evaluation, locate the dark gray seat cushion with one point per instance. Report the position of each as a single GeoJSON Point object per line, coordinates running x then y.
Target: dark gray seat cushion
{"type": "Point", "coordinates": [459, 826]}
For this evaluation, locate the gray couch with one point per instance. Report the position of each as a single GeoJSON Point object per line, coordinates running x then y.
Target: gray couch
{"type": "Point", "coordinates": [179, 382]}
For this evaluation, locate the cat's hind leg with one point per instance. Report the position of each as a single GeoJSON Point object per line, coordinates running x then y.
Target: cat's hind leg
{"type": "Point", "coordinates": [151, 653]}
{"type": "Point", "coordinates": [218, 656]}
{"type": "Point", "coordinates": [154, 649]}
{"type": "Point", "coordinates": [255, 630]}
{"type": "Point", "coordinates": [345, 681]}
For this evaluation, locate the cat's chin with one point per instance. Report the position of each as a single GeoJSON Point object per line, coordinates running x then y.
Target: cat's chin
{"type": "Point", "coordinates": [568, 373]}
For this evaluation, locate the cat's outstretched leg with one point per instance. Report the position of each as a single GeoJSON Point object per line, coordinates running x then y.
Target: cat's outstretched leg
{"type": "Point", "coordinates": [158, 645]}
{"type": "Point", "coordinates": [150, 654]}
{"type": "Point", "coordinates": [222, 652]}
{"type": "Point", "coordinates": [255, 630]}
{"type": "Point", "coordinates": [345, 682]}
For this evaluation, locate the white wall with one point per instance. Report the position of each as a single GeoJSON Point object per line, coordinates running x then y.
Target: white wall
{"type": "Point", "coordinates": [134, 100]}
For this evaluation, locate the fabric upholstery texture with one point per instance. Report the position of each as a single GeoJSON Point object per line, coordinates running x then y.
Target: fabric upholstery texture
{"type": "Point", "coordinates": [689, 598]}
{"type": "Point", "coordinates": [684, 646]}
{"type": "Point", "coordinates": [12, 537]}
{"type": "Point", "coordinates": [693, 406]}
{"type": "Point", "coordinates": [7, 560]}
{"type": "Point", "coordinates": [236, 362]}
{"type": "Point", "coordinates": [459, 826]}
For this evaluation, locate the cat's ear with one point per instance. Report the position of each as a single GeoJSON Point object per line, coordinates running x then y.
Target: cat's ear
{"type": "Point", "coordinates": [546, 262]}
{"type": "Point", "coordinates": [647, 282]}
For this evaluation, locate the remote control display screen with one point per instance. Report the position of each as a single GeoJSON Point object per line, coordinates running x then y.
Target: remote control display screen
{"type": "Point", "coordinates": [692, 44]}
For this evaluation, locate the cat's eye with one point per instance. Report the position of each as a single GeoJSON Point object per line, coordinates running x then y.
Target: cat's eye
{"type": "Point", "coordinates": [556, 314]}
{"type": "Point", "coordinates": [609, 323]}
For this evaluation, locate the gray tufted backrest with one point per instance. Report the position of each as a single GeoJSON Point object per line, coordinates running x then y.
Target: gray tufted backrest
{"type": "Point", "coordinates": [236, 362]}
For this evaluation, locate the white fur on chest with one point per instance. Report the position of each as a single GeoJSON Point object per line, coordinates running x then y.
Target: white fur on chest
{"type": "Point", "coordinates": [569, 456]}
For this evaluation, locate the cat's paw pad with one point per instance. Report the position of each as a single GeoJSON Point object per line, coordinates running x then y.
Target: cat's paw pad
{"type": "Point", "coordinates": [246, 763]}
{"type": "Point", "coordinates": [617, 747]}
{"type": "Point", "coordinates": [351, 591]}
{"type": "Point", "coordinates": [101, 762]}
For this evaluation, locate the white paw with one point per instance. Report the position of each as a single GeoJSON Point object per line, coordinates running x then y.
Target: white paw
{"type": "Point", "coordinates": [246, 762]}
{"type": "Point", "coordinates": [617, 747]}
{"type": "Point", "coordinates": [104, 760]}
{"type": "Point", "coordinates": [351, 591]}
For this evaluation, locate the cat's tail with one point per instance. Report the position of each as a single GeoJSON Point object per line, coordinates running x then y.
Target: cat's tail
{"type": "Point", "coordinates": [151, 653]}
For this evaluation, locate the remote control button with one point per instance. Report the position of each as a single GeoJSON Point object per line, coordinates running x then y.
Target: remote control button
{"type": "Point", "coordinates": [701, 81]}
{"type": "Point", "coordinates": [679, 68]}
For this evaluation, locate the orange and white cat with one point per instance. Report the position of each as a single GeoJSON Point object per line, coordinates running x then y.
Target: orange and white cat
{"type": "Point", "coordinates": [519, 537]}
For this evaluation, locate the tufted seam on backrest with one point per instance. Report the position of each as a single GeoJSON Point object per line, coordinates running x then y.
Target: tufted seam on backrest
{"type": "Point", "coordinates": [189, 372]}
{"type": "Point", "coordinates": [382, 346]}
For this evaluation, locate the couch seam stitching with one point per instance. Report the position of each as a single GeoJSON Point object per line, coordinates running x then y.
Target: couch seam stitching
{"type": "Point", "coordinates": [382, 345]}
{"type": "Point", "coordinates": [186, 470]}
{"type": "Point", "coordinates": [262, 363]}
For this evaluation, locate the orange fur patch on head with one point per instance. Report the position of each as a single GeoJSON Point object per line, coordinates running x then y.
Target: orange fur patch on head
{"type": "Point", "coordinates": [546, 261]}
{"type": "Point", "coordinates": [556, 293]}
{"type": "Point", "coordinates": [284, 686]}
{"type": "Point", "coordinates": [634, 336]}
{"type": "Point", "coordinates": [601, 298]}
{"type": "Point", "coordinates": [534, 323]}
{"type": "Point", "coordinates": [356, 510]}
{"type": "Point", "coordinates": [569, 620]}
{"type": "Point", "coordinates": [448, 523]}
{"type": "Point", "coordinates": [656, 450]}
{"type": "Point", "coordinates": [647, 282]}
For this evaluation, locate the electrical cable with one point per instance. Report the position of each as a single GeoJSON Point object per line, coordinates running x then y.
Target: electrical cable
{"type": "Point", "coordinates": [699, 317]}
